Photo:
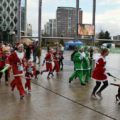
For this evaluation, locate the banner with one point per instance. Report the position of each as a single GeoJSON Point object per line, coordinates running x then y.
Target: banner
{"type": "Point", "coordinates": [85, 29]}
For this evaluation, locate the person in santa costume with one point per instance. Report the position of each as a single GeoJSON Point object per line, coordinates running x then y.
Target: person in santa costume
{"type": "Point", "coordinates": [48, 60]}
{"type": "Point", "coordinates": [2, 60]}
{"type": "Point", "coordinates": [56, 57]}
{"type": "Point", "coordinates": [16, 61]}
{"type": "Point", "coordinates": [99, 74]}
{"type": "Point", "coordinates": [3, 56]}
{"type": "Point", "coordinates": [30, 73]}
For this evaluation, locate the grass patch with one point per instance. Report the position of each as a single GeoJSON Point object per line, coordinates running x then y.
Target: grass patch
{"type": "Point", "coordinates": [115, 50]}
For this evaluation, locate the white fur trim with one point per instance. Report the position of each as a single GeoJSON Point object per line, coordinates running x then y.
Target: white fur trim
{"type": "Point", "coordinates": [20, 55]}
{"type": "Point", "coordinates": [100, 80]}
{"type": "Point", "coordinates": [18, 75]}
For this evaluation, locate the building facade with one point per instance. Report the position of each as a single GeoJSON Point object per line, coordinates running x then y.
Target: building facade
{"type": "Point", "coordinates": [51, 28]}
{"type": "Point", "coordinates": [117, 37]}
{"type": "Point", "coordinates": [9, 15]}
{"type": "Point", "coordinates": [66, 21]}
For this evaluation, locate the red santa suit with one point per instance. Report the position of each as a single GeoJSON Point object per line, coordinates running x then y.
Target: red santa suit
{"type": "Point", "coordinates": [56, 61]}
{"type": "Point", "coordinates": [2, 59]}
{"type": "Point", "coordinates": [48, 60]}
{"type": "Point", "coordinates": [30, 72]}
{"type": "Point", "coordinates": [16, 60]}
{"type": "Point", "coordinates": [99, 73]}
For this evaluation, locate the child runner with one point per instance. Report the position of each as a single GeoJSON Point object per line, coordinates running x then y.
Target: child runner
{"type": "Point", "coordinates": [48, 59]}
{"type": "Point", "coordinates": [56, 57]}
{"type": "Point", "coordinates": [30, 73]}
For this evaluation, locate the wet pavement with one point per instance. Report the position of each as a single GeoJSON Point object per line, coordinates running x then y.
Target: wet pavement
{"type": "Point", "coordinates": [56, 99]}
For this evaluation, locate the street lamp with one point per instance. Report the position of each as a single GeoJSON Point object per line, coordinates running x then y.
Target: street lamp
{"type": "Point", "coordinates": [19, 20]}
{"type": "Point", "coordinates": [93, 18]}
{"type": "Point", "coordinates": [77, 17]}
{"type": "Point", "coordinates": [39, 22]}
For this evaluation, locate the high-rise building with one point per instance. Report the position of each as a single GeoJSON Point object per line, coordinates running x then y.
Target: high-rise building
{"type": "Point", "coordinates": [51, 28]}
{"type": "Point", "coordinates": [9, 15]}
{"type": "Point", "coordinates": [117, 37]}
{"type": "Point", "coordinates": [66, 21]}
{"type": "Point", "coordinates": [23, 15]}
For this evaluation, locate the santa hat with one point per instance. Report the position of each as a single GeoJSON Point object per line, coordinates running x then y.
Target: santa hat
{"type": "Point", "coordinates": [19, 45]}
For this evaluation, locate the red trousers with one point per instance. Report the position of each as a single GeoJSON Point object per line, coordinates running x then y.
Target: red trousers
{"type": "Point", "coordinates": [49, 67]}
{"type": "Point", "coordinates": [17, 82]}
{"type": "Point", "coordinates": [57, 66]}
{"type": "Point", "coordinates": [28, 84]}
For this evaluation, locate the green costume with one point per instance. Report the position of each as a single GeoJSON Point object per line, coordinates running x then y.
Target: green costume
{"type": "Point", "coordinates": [77, 59]}
{"type": "Point", "coordinates": [72, 55]}
{"type": "Point", "coordinates": [5, 68]}
{"type": "Point", "coordinates": [86, 66]}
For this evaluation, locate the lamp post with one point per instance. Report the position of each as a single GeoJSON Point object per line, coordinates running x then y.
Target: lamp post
{"type": "Point", "coordinates": [77, 17]}
{"type": "Point", "coordinates": [93, 19]}
{"type": "Point", "coordinates": [39, 22]}
{"type": "Point", "coordinates": [25, 24]}
{"type": "Point", "coordinates": [19, 20]}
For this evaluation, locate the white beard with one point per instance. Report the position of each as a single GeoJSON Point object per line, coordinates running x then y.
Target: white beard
{"type": "Point", "coordinates": [20, 55]}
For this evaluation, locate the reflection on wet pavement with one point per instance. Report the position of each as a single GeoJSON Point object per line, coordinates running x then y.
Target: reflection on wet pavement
{"type": "Point", "coordinates": [56, 99]}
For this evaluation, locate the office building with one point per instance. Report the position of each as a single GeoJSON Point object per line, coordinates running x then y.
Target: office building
{"type": "Point", "coordinates": [66, 21]}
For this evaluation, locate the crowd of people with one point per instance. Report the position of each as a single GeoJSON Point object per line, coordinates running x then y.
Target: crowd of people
{"type": "Point", "coordinates": [82, 60]}
{"type": "Point", "coordinates": [53, 56]}
{"type": "Point", "coordinates": [17, 60]}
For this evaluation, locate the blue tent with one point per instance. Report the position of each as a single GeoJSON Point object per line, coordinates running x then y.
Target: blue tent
{"type": "Point", "coordinates": [72, 44]}
{"type": "Point", "coordinates": [77, 42]}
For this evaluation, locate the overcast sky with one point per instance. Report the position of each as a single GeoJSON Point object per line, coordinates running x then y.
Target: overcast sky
{"type": "Point", "coordinates": [107, 13]}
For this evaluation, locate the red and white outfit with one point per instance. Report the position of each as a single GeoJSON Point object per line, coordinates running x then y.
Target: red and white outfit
{"type": "Point", "coordinates": [48, 60]}
{"type": "Point", "coordinates": [99, 72]}
{"type": "Point", "coordinates": [49, 68]}
{"type": "Point", "coordinates": [56, 61]}
{"type": "Point", "coordinates": [30, 72]}
{"type": "Point", "coordinates": [2, 59]}
{"type": "Point", "coordinates": [16, 61]}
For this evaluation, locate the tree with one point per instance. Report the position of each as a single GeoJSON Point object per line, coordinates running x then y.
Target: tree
{"type": "Point", "coordinates": [101, 35]}
{"type": "Point", "coordinates": [104, 35]}
{"type": "Point", "coordinates": [107, 35]}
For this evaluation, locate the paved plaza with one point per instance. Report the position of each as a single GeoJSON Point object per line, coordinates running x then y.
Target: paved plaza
{"type": "Point", "coordinates": [56, 99]}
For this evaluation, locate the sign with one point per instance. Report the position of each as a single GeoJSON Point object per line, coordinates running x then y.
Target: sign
{"type": "Point", "coordinates": [86, 29]}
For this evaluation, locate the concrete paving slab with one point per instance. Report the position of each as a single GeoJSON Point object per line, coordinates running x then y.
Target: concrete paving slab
{"type": "Point", "coordinates": [56, 99]}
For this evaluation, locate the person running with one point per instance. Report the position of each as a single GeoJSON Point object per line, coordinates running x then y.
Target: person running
{"type": "Point", "coordinates": [16, 61]}
{"type": "Point", "coordinates": [30, 73]}
{"type": "Point", "coordinates": [99, 74]}
{"type": "Point", "coordinates": [56, 58]}
{"type": "Point", "coordinates": [48, 60]}
{"type": "Point", "coordinates": [78, 72]}
{"type": "Point", "coordinates": [4, 53]}
{"type": "Point", "coordinates": [86, 65]}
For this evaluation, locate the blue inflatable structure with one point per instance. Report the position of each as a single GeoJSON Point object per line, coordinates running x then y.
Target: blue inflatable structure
{"type": "Point", "coordinates": [72, 44]}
